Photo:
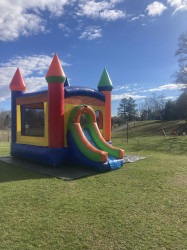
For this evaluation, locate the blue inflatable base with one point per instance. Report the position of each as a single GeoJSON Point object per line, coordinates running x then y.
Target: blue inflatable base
{"type": "Point", "coordinates": [55, 157]}
{"type": "Point", "coordinates": [49, 156]}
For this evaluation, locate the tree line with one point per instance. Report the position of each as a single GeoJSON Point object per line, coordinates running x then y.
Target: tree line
{"type": "Point", "coordinates": [5, 120]}
{"type": "Point", "coordinates": [157, 107]}
{"type": "Point", "coordinates": [153, 108]}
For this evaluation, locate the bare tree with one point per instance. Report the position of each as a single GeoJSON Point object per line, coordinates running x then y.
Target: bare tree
{"type": "Point", "coordinates": [5, 120]}
{"type": "Point", "coordinates": [146, 109]}
{"type": "Point", "coordinates": [158, 104]}
{"type": "Point", "coordinates": [181, 106]}
{"type": "Point", "coordinates": [180, 76]}
{"type": "Point", "coordinates": [153, 107]}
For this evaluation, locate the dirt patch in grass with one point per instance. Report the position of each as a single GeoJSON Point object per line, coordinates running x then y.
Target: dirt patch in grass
{"type": "Point", "coordinates": [179, 181]}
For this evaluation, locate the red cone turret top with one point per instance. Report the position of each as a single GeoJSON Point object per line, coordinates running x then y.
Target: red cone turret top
{"type": "Point", "coordinates": [55, 72]}
{"type": "Point", "coordinates": [17, 83]}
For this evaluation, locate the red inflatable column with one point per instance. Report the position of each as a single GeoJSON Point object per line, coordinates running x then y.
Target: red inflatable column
{"type": "Point", "coordinates": [56, 78]}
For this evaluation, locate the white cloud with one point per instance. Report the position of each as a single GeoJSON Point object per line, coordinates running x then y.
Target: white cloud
{"type": "Point", "coordinates": [67, 31]}
{"type": "Point", "coordinates": [130, 86]}
{"type": "Point", "coordinates": [33, 69]}
{"type": "Point", "coordinates": [35, 83]}
{"type": "Point", "coordinates": [120, 88]}
{"type": "Point", "coordinates": [4, 92]}
{"type": "Point", "coordinates": [135, 93]}
{"type": "Point", "coordinates": [28, 65]}
{"type": "Point", "coordinates": [170, 86]}
{"type": "Point", "coordinates": [170, 97]}
{"type": "Point", "coordinates": [125, 95]}
{"type": "Point", "coordinates": [112, 15]}
{"type": "Point", "coordinates": [23, 24]}
{"type": "Point", "coordinates": [179, 5]}
{"type": "Point", "coordinates": [156, 8]}
{"type": "Point", "coordinates": [91, 33]}
{"type": "Point", "coordinates": [135, 18]}
{"type": "Point", "coordinates": [24, 18]}
{"type": "Point", "coordinates": [105, 10]}
{"type": "Point", "coordinates": [92, 8]}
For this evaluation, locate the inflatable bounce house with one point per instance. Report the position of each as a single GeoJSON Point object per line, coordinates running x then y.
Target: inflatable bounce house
{"type": "Point", "coordinates": [64, 123]}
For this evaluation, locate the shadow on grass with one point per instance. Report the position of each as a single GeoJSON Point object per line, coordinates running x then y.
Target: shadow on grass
{"type": "Point", "coordinates": [12, 169]}
{"type": "Point", "coordinates": [9, 173]}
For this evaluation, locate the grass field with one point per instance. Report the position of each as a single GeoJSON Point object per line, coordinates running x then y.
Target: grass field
{"type": "Point", "coordinates": [141, 206]}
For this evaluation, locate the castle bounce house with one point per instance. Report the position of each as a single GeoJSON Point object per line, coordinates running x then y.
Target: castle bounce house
{"type": "Point", "coordinates": [64, 124]}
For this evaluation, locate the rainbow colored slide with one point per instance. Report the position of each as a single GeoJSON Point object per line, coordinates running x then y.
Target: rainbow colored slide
{"type": "Point", "coordinates": [87, 144]}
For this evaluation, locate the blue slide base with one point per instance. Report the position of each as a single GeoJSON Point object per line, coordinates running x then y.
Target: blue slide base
{"type": "Point", "coordinates": [115, 163]}
{"type": "Point", "coordinates": [80, 158]}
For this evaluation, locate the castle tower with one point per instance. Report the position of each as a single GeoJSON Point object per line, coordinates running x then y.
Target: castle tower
{"type": "Point", "coordinates": [66, 84]}
{"type": "Point", "coordinates": [56, 78]}
{"type": "Point", "coordinates": [105, 86]}
{"type": "Point", "coordinates": [17, 87]}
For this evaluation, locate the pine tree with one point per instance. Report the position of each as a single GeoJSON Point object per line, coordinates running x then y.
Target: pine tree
{"type": "Point", "coordinates": [126, 109]}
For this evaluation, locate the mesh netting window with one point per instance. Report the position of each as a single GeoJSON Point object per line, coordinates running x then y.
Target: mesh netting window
{"type": "Point", "coordinates": [32, 120]}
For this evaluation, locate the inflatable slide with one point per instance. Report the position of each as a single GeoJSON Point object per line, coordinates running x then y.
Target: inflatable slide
{"type": "Point", "coordinates": [86, 143]}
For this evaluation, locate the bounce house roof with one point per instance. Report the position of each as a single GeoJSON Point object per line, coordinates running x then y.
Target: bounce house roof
{"type": "Point", "coordinates": [83, 91]}
{"type": "Point", "coordinates": [73, 91]}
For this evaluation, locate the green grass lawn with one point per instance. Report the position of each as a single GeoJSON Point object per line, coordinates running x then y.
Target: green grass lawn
{"type": "Point", "coordinates": [141, 206]}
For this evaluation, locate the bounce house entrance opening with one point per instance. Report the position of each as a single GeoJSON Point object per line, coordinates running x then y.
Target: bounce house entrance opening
{"type": "Point", "coordinates": [99, 119]}
{"type": "Point", "coordinates": [83, 120]}
{"type": "Point", "coordinates": [87, 112]}
{"type": "Point", "coordinates": [84, 115]}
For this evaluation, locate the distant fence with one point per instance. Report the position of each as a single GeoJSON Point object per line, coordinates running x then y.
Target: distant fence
{"type": "Point", "coordinates": [5, 135]}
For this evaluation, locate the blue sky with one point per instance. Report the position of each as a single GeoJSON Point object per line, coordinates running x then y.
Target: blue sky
{"type": "Point", "coordinates": [135, 40]}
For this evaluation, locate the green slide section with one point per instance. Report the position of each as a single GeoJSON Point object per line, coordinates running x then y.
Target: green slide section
{"type": "Point", "coordinates": [99, 141]}
{"type": "Point", "coordinates": [82, 143]}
